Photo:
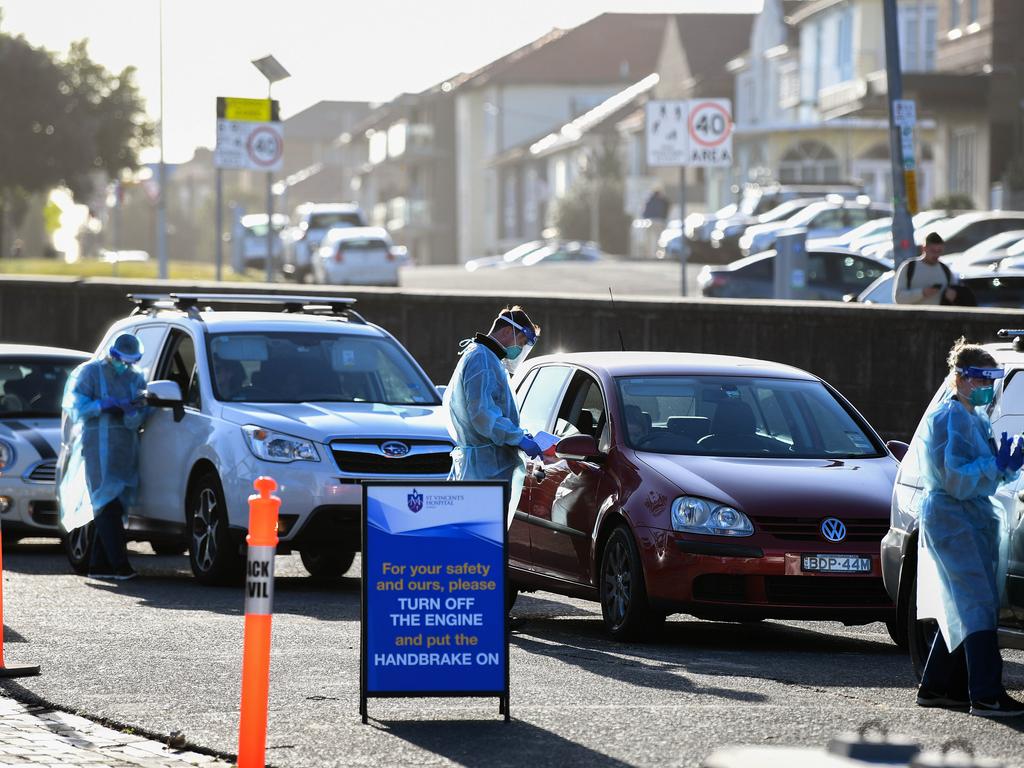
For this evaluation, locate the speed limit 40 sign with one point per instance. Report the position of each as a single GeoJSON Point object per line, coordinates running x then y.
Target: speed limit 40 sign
{"type": "Point", "coordinates": [703, 138]}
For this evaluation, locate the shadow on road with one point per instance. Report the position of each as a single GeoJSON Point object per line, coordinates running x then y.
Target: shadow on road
{"type": "Point", "coordinates": [485, 744]}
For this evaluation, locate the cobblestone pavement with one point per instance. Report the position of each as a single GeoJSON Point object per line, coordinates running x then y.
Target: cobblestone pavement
{"type": "Point", "coordinates": [32, 736]}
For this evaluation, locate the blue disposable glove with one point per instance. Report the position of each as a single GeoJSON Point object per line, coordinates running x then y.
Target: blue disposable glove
{"type": "Point", "coordinates": [112, 405]}
{"type": "Point", "coordinates": [529, 446]}
{"type": "Point", "coordinates": [1003, 455]}
{"type": "Point", "coordinates": [1017, 456]}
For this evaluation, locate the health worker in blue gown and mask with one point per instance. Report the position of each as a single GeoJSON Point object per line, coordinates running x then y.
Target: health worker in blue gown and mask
{"type": "Point", "coordinates": [483, 419]}
{"type": "Point", "coordinates": [963, 533]}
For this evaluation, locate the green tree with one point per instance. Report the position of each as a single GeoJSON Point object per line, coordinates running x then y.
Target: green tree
{"type": "Point", "coordinates": [64, 119]}
{"type": "Point", "coordinates": [601, 183]}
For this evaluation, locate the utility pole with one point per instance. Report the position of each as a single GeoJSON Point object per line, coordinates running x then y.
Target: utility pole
{"type": "Point", "coordinates": [161, 200]}
{"type": "Point", "coordinates": [903, 243]}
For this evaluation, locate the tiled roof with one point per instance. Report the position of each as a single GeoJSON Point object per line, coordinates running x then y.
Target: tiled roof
{"type": "Point", "coordinates": [710, 41]}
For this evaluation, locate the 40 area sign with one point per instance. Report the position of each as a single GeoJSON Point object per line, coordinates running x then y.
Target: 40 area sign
{"type": "Point", "coordinates": [697, 132]}
{"type": "Point", "coordinates": [434, 602]}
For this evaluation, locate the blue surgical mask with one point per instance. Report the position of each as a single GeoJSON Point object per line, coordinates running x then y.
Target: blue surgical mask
{"type": "Point", "coordinates": [982, 396]}
{"type": "Point", "coordinates": [119, 365]}
{"type": "Point", "coordinates": [513, 352]}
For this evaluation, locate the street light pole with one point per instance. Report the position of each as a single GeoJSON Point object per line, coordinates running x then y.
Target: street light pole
{"type": "Point", "coordinates": [161, 200]}
{"type": "Point", "coordinates": [273, 70]}
{"type": "Point", "coordinates": [902, 226]}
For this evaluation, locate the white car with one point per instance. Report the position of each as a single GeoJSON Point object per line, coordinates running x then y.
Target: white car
{"type": "Point", "coordinates": [313, 221]}
{"type": "Point", "coordinates": [314, 396]}
{"type": "Point", "coordinates": [827, 219]}
{"type": "Point", "coordinates": [356, 256]}
{"type": "Point", "coordinates": [32, 383]}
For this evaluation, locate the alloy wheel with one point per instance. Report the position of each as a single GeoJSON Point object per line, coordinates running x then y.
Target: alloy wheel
{"type": "Point", "coordinates": [78, 541]}
{"type": "Point", "coordinates": [617, 582]}
{"type": "Point", "coordinates": [205, 524]}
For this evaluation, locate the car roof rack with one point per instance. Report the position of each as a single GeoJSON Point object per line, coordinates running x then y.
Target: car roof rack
{"type": "Point", "coordinates": [192, 302]}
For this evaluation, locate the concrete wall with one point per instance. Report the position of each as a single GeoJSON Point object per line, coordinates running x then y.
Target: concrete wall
{"type": "Point", "coordinates": [886, 360]}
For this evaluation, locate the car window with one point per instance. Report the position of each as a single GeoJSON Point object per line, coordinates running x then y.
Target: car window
{"type": "Point", "coordinates": [740, 416]}
{"type": "Point", "coordinates": [539, 403]}
{"type": "Point", "coordinates": [762, 269]}
{"type": "Point", "coordinates": [855, 272]}
{"type": "Point", "coordinates": [582, 410]}
{"type": "Point", "coordinates": [33, 386]}
{"type": "Point", "coordinates": [304, 366]}
{"type": "Point", "coordinates": [361, 244]}
{"type": "Point", "coordinates": [828, 219]}
{"type": "Point", "coordinates": [178, 364]}
{"type": "Point", "coordinates": [328, 220]}
{"type": "Point", "coordinates": [150, 336]}
{"type": "Point", "coordinates": [817, 268]}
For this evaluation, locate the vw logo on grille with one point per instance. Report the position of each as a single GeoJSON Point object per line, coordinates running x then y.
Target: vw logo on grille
{"type": "Point", "coordinates": [394, 449]}
{"type": "Point", "coordinates": [833, 529]}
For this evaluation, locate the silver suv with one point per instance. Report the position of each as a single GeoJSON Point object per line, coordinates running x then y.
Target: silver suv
{"type": "Point", "coordinates": [314, 396]}
{"type": "Point", "coordinates": [899, 547]}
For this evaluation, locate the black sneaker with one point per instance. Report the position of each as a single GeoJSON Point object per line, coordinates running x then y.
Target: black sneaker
{"type": "Point", "coordinates": [929, 699]}
{"type": "Point", "coordinates": [125, 573]}
{"type": "Point", "coordinates": [1004, 706]}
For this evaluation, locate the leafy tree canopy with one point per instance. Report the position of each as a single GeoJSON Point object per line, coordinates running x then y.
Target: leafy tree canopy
{"type": "Point", "coordinates": [64, 119]}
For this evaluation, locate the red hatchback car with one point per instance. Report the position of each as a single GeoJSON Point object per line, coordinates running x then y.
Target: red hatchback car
{"type": "Point", "coordinates": [722, 487]}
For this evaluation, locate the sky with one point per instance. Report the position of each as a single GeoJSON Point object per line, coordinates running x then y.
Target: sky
{"type": "Point", "coordinates": [334, 49]}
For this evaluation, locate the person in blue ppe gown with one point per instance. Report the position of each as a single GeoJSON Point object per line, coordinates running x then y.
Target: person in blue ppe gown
{"type": "Point", "coordinates": [483, 419]}
{"type": "Point", "coordinates": [962, 530]}
{"type": "Point", "coordinates": [104, 409]}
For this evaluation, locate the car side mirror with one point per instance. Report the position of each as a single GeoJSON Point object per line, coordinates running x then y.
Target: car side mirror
{"type": "Point", "coordinates": [897, 448]}
{"type": "Point", "coordinates": [578, 448]}
{"type": "Point", "coordinates": [166, 394]}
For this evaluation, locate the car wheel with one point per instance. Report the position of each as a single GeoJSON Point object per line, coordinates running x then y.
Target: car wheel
{"type": "Point", "coordinates": [168, 547]}
{"type": "Point", "coordinates": [327, 565]}
{"type": "Point", "coordinates": [213, 554]}
{"type": "Point", "coordinates": [898, 633]}
{"type": "Point", "coordinates": [78, 547]}
{"type": "Point", "coordinates": [627, 614]}
{"type": "Point", "coordinates": [920, 634]}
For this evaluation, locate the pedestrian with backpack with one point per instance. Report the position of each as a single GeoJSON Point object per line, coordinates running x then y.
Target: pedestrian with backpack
{"type": "Point", "coordinates": [925, 280]}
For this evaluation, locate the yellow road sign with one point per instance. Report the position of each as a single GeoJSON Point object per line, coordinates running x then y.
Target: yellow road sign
{"type": "Point", "coordinates": [245, 110]}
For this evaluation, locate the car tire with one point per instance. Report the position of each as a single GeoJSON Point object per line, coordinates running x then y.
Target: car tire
{"type": "Point", "coordinates": [624, 606]}
{"type": "Point", "coordinates": [898, 633]}
{"type": "Point", "coordinates": [168, 547]}
{"type": "Point", "coordinates": [213, 552]}
{"type": "Point", "coordinates": [327, 565]}
{"type": "Point", "coordinates": [920, 634]}
{"type": "Point", "coordinates": [78, 547]}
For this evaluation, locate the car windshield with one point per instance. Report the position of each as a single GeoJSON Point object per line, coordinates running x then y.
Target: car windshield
{"type": "Point", "coordinates": [362, 244]}
{"type": "Point", "coordinates": [302, 367]}
{"type": "Point", "coordinates": [808, 213]}
{"type": "Point", "coordinates": [33, 386]}
{"type": "Point", "coordinates": [741, 417]}
{"type": "Point", "coordinates": [329, 220]}
{"type": "Point", "coordinates": [783, 211]}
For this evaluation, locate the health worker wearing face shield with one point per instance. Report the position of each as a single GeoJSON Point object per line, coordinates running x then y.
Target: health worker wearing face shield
{"type": "Point", "coordinates": [104, 409]}
{"type": "Point", "coordinates": [963, 534]}
{"type": "Point", "coordinates": [483, 419]}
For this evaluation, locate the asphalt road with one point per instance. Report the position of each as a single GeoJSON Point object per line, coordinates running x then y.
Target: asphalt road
{"type": "Point", "coordinates": [162, 653]}
{"type": "Point", "coordinates": [626, 278]}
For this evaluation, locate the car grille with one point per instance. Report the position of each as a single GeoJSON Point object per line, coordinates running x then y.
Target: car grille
{"type": "Point", "coordinates": [826, 590]}
{"type": "Point", "coordinates": [367, 458]}
{"type": "Point", "coordinates": [809, 528]}
{"type": "Point", "coordinates": [44, 472]}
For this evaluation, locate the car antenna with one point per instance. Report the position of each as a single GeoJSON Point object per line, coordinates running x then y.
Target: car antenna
{"type": "Point", "coordinates": [616, 313]}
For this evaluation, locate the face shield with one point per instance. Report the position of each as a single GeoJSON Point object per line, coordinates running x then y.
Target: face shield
{"type": "Point", "coordinates": [980, 384]}
{"type": "Point", "coordinates": [516, 354]}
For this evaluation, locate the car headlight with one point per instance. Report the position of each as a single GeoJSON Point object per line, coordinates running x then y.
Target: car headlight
{"type": "Point", "coordinates": [7, 456]}
{"type": "Point", "coordinates": [692, 514]}
{"type": "Point", "coordinates": [274, 446]}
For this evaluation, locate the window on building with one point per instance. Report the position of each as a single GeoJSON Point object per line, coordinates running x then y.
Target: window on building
{"type": "Point", "coordinates": [962, 153]}
{"type": "Point", "coordinates": [972, 11]}
{"type": "Point", "coordinates": [844, 49]}
{"type": "Point", "coordinates": [917, 30]}
{"type": "Point", "coordinates": [809, 161]}
{"type": "Point", "coordinates": [378, 151]}
{"type": "Point", "coordinates": [954, 14]}
{"type": "Point", "coordinates": [789, 85]}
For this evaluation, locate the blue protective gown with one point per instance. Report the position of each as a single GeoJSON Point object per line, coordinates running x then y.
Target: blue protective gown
{"type": "Point", "coordinates": [101, 461]}
{"type": "Point", "coordinates": [963, 528]}
{"type": "Point", "coordinates": [483, 420]}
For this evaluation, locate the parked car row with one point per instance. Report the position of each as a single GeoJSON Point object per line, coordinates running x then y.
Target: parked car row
{"type": "Point", "coordinates": [721, 487]}
{"type": "Point", "coordinates": [539, 253]}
